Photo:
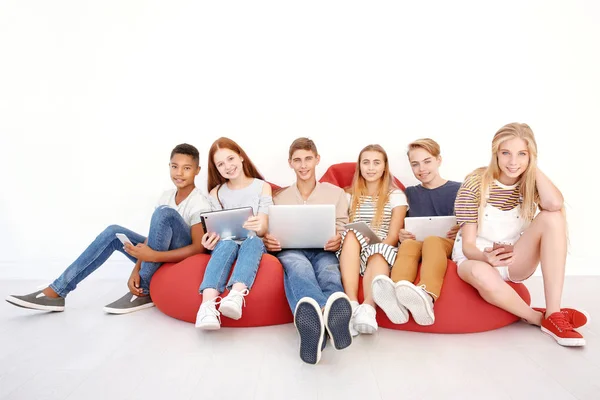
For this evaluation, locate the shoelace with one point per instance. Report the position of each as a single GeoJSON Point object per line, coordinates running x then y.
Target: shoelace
{"type": "Point", "coordinates": [424, 288]}
{"type": "Point", "coordinates": [560, 321]}
{"type": "Point", "coordinates": [212, 310]}
{"type": "Point", "coordinates": [234, 295]}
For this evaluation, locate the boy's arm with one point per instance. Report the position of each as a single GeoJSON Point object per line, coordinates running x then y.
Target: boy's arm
{"type": "Point", "coordinates": [341, 211]}
{"type": "Point", "coordinates": [184, 252]}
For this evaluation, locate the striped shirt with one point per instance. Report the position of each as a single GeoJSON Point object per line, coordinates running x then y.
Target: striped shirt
{"type": "Point", "coordinates": [367, 208]}
{"type": "Point", "coordinates": [500, 196]}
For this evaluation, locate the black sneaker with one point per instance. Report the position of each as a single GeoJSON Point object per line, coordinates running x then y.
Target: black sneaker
{"type": "Point", "coordinates": [337, 314]}
{"type": "Point", "coordinates": [128, 304]}
{"type": "Point", "coordinates": [38, 301]}
{"type": "Point", "coordinates": [309, 323]}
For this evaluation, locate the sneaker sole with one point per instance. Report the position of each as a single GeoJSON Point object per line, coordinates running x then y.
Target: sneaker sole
{"type": "Point", "coordinates": [309, 324]}
{"type": "Point", "coordinates": [573, 342]}
{"type": "Point", "coordinates": [365, 329]}
{"type": "Point", "coordinates": [120, 311]}
{"type": "Point", "coordinates": [337, 321]}
{"type": "Point", "coordinates": [208, 326]}
{"type": "Point", "coordinates": [33, 306]}
{"type": "Point", "coordinates": [384, 296]}
{"type": "Point", "coordinates": [416, 304]}
{"type": "Point", "coordinates": [230, 312]}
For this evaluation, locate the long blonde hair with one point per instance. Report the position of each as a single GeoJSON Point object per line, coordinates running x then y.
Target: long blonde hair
{"type": "Point", "coordinates": [528, 190]}
{"type": "Point", "coordinates": [359, 187]}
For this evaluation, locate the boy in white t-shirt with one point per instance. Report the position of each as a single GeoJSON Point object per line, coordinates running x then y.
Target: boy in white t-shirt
{"type": "Point", "coordinates": [175, 234]}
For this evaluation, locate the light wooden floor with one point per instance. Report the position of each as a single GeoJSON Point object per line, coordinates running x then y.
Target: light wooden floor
{"type": "Point", "coordinates": [86, 354]}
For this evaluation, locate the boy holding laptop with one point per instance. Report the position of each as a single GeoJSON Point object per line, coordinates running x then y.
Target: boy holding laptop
{"type": "Point", "coordinates": [433, 197]}
{"type": "Point", "coordinates": [312, 280]}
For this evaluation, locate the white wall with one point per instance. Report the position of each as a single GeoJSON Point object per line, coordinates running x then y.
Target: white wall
{"type": "Point", "coordinates": [93, 96]}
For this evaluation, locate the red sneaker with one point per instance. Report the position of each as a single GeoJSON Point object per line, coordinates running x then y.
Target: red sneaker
{"type": "Point", "coordinates": [558, 326]}
{"type": "Point", "coordinates": [575, 317]}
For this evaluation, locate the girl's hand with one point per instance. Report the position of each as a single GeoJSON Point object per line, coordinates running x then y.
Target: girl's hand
{"type": "Point", "coordinates": [253, 224]}
{"type": "Point", "coordinates": [210, 240]}
{"type": "Point", "coordinates": [405, 235]}
{"type": "Point", "coordinates": [451, 234]}
{"type": "Point", "coordinates": [497, 258]}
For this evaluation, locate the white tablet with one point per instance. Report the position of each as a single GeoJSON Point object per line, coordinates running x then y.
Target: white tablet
{"type": "Point", "coordinates": [302, 226]}
{"type": "Point", "coordinates": [422, 227]}
{"type": "Point", "coordinates": [228, 223]}
{"type": "Point", "coordinates": [367, 232]}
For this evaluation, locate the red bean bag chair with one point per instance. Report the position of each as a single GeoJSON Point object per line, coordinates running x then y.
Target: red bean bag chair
{"type": "Point", "coordinates": [174, 290]}
{"type": "Point", "coordinates": [341, 175]}
{"type": "Point", "coordinates": [460, 308]}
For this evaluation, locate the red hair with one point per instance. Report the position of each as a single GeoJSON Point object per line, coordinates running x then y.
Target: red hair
{"type": "Point", "coordinates": [214, 177]}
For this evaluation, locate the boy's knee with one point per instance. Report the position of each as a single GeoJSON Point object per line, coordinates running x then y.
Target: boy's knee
{"type": "Point", "coordinates": [112, 229]}
{"type": "Point", "coordinates": [163, 212]}
{"type": "Point", "coordinates": [409, 243]}
{"type": "Point", "coordinates": [432, 240]}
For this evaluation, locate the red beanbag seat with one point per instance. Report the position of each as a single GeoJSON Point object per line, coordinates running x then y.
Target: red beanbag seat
{"type": "Point", "coordinates": [460, 308]}
{"type": "Point", "coordinates": [174, 290]}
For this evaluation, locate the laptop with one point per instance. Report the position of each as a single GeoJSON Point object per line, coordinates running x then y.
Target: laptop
{"type": "Point", "coordinates": [228, 223]}
{"type": "Point", "coordinates": [422, 227]}
{"type": "Point", "coordinates": [302, 226]}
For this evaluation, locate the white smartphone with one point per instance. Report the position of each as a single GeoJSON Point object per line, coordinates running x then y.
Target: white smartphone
{"type": "Point", "coordinates": [123, 238]}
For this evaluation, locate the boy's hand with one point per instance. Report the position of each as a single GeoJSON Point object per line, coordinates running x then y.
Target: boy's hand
{"type": "Point", "coordinates": [334, 243]}
{"type": "Point", "coordinates": [210, 240]}
{"type": "Point", "coordinates": [253, 224]}
{"type": "Point", "coordinates": [134, 283]}
{"type": "Point", "coordinates": [451, 234]}
{"type": "Point", "coordinates": [405, 235]}
{"type": "Point", "coordinates": [271, 243]}
{"type": "Point", "coordinates": [141, 252]}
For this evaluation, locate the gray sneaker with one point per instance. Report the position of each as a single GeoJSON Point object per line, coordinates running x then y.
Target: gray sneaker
{"type": "Point", "coordinates": [128, 304]}
{"type": "Point", "coordinates": [38, 301]}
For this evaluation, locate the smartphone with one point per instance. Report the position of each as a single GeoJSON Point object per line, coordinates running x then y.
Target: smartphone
{"type": "Point", "coordinates": [507, 247]}
{"type": "Point", "coordinates": [123, 238]}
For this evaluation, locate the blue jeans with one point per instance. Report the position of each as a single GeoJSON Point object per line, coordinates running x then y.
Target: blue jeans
{"type": "Point", "coordinates": [248, 256]}
{"type": "Point", "coordinates": [311, 273]}
{"type": "Point", "coordinates": [168, 231]}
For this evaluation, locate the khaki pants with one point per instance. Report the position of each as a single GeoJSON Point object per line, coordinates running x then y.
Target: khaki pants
{"type": "Point", "coordinates": [434, 252]}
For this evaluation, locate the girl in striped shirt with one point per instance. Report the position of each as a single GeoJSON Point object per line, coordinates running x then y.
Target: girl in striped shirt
{"type": "Point", "coordinates": [375, 200]}
{"type": "Point", "coordinates": [502, 239]}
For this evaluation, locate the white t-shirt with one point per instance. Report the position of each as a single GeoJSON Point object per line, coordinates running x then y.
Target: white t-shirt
{"type": "Point", "coordinates": [190, 208]}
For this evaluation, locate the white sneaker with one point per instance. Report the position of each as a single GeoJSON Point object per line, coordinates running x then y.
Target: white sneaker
{"type": "Point", "coordinates": [364, 319]}
{"type": "Point", "coordinates": [384, 294]}
{"type": "Point", "coordinates": [208, 316]}
{"type": "Point", "coordinates": [231, 305]}
{"type": "Point", "coordinates": [417, 300]}
{"type": "Point", "coordinates": [355, 306]}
